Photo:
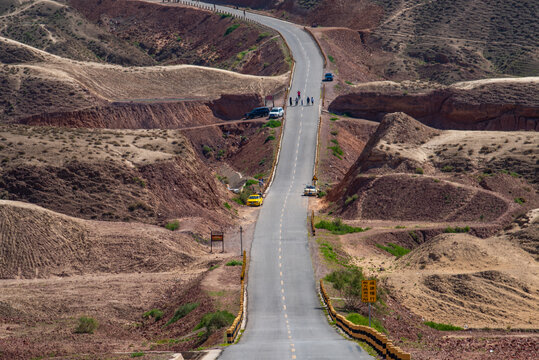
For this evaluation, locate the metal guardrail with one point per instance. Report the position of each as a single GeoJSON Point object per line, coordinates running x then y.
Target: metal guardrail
{"type": "Point", "coordinates": [378, 341]}
{"type": "Point", "coordinates": [234, 329]}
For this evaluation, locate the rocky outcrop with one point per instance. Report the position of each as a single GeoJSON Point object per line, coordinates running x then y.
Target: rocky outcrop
{"type": "Point", "coordinates": [496, 106]}
{"type": "Point", "coordinates": [233, 107]}
{"type": "Point", "coordinates": [163, 115]}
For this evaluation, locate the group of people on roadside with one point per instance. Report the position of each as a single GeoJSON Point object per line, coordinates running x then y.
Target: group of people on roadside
{"type": "Point", "coordinates": [298, 99]}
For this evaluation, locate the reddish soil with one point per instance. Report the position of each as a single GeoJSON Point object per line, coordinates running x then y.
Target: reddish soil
{"type": "Point", "coordinates": [187, 35]}
{"type": "Point", "coordinates": [501, 106]}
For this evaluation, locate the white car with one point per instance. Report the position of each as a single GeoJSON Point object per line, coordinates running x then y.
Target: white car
{"type": "Point", "coordinates": [310, 190]}
{"type": "Point", "coordinates": [276, 113]}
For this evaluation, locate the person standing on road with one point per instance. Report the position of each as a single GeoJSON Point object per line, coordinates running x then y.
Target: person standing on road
{"type": "Point", "coordinates": [301, 102]}
{"type": "Point", "coordinates": [308, 101]}
{"type": "Point", "coordinates": [243, 12]}
{"type": "Point", "coordinates": [290, 100]}
{"type": "Point", "coordinates": [312, 100]}
{"type": "Point", "coordinates": [297, 101]}
{"type": "Point", "coordinates": [299, 94]}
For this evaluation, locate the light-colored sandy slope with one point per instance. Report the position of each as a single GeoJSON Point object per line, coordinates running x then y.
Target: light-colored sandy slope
{"type": "Point", "coordinates": [467, 281]}
{"type": "Point", "coordinates": [468, 85]}
{"type": "Point", "coordinates": [112, 82]}
{"type": "Point", "coordinates": [39, 243]}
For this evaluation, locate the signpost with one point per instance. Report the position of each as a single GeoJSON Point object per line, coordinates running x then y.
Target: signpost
{"type": "Point", "coordinates": [217, 236]}
{"type": "Point", "coordinates": [368, 294]}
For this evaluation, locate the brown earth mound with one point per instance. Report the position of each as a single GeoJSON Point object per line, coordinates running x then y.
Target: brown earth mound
{"type": "Point", "coordinates": [148, 176]}
{"type": "Point", "coordinates": [403, 197]}
{"type": "Point", "coordinates": [468, 281]}
{"type": "Point", "coordinates": [187, 35]}
{"type": "Point", "coordinates": [156, 115]}
{"type": "Point", "coordinates": [498, 105]}
{"type": "Point", "coordinates": [38, 243]}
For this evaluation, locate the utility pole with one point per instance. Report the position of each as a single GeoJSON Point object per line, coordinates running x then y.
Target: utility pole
{"type": "Point", "coordinates": [241, 240]}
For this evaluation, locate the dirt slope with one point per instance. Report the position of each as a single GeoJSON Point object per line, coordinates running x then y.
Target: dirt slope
{"type": "Point", "coordinates": [37, 82]}
{"type": "Point", "coordinates": [147, 176]}
{"type": "Point", "coordinates": [38, 243]}
{"type": "Point", "coordinates": [497, 104]}
{"type": "Point", "coordinates": [132, 33]}
{"type": "Point", "coordinates": [387, 180]}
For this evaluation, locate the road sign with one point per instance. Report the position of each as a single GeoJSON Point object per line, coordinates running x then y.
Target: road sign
{"type": "Point", "coordinates": [217, 236]}
{"type": "Point", "coordinates": [368, 291]}
{"type": "Point", "coordinates": [315, 178]}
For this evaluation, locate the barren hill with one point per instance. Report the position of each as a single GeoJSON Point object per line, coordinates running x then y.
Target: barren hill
{"type": "Point", "coordinates": [402, 150]}
{"type": "Point", "coordinates": [36, 82]}
{"type": "Point", "coordinates": [146, 176]}
{"type": "Point", "coordinates": [38, 243]}
{"type": "Point", "coordinates": [471, 282]}
{"type": "Point", "coordinates": [494, 104]}
{"type": "Point", "coordinates": [134, 33]}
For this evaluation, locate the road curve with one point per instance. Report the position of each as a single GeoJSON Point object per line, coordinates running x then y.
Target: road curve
{"type": "Point", "coordinates": [284, 316]}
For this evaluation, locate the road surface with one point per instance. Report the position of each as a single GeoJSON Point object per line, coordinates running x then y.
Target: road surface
{"type": "Point", "coordinates": [284, 316]}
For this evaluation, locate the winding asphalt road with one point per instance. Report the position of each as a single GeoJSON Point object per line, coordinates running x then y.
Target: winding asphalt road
{"type": "Point", "coordinates": [284, 316]}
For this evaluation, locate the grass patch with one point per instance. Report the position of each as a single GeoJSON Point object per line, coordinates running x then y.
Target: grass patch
{"type": "Point", "coordinates": [331, 58]}
{"type": "Point", "coordinates": [259, 176]}
{"type": "Point", "coordinates": [272, 124]}
{"type": "Point", "coordinates": [269, 138]}
{"type": "Point", "coordinates": [329, 254]}
{"type": "Point", "coordinates": [400, 227]}
{"type": "Point", "coordinates": [349, 82]}
{"type": "Point", "coordinates": [137, 354]}
{"type": "Point", "coordinates": [447, 168]}
{"type": "Point", "coordinates": [215, 321]}
{"type": "Point", "coordinates": [234, 263]}
{"type": "Point", "coordinates": [223, 16]}
{"type": "Point", "coordinates": [454, 230]}
{"type": "Point", "coordinates": [351, 199]}
{"type": "Point", "coordinates": [334, 118]}
{"type": "Point", "coordinates": [520, 200]}
{"type": "Point", "coordinates": [263, 35]}
{"type": "Point", "coordinates": [419, 171]}
{"type": "Point", "coordinates": [394, 249]}
{"type": "Point", "coordinates": [359, 319]}
{"type": "Point", "coordinates": [336, 150]}
{"type": "Point", "coordinates": [337, 227]}
{"type": "Point", "coordinates": [156, 314]}
{"type": "Point", "coordinates": [87, 325]}
{"type": "Point", "coordinates": [181, 312]}
{"type": "Point", "coordinates": [173, 225]}
{"type": "Point", "coordinates": [227, 206]}
{"type": "Point", "coordinates": [243, 196]}
{"type": "Point", "coordinates": [251, 182]}
{"type": "Point", "coordinates": [231, 29]}
{"type": "Point", "coordinates": [442, 327]}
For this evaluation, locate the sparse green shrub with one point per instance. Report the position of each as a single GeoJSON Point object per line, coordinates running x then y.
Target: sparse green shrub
{"type": "Point", "coordinates": [451, 230]}
{"type": "Point", "coordinates": [400, 227]}
{"type": "Point", "coordinates": [349, 82]}
{"type": "Point", "coordinates": [140, 182]}
{"type": "Point", "coordinates": [394, 249]}
{"type": "Point", "coordinates": [206, 150]}
{"type": "Point", "coordinates": [362, 320]}
{"type": "Point", "coordinates": [215, 321]}
{"type": "Point", "coordinates": [272, 124]}
{"type": "Point", "coordinates": [419, 171]}
{"type": "Point", "coordinates": [520, 200]}
{"type": "Point", "coordinates": [334, 133]}
{"type": "Point", "coordinates": [442, 327]}
{"type": "Point", "coordinates": [138, 205]}
{"type": "Point", "coordinates": [327, 251]}
{"type": "Point", "coordinates": [447, 168]}
{"type": "Point", "coordinates": [137, 354]}
{"type": "Point", "coordinates": [173, 225]}
{"type": "Point", "coordinates": [231, 29]}
{"type": "Point", "coordinates": [181, 312]}
{"type": "Point", "coordinates": [351, 199]}
{"type": "Point", "coordinates": [413, 235]}
{"type": "Point", "coordinates": [242, 198]}
{"type": "Point", "coordinates": [331, 58]}
{"type": "Point", "coordinates": [251, 182]}
{"type": "Point", "coordinates": [334, 118]}
{"type": "Point", "coordinates": [156, 314]}
{"type": "Point", "coordinates": [227, 206]}
{"type": "Point", "coordinates": [225, 16]}
{"type": "Point", "coordinates": [269, 138]}
{"type": "Point", "coordinates": [336, 151]}
{"type": "Point", "coordinates": [337, 227]}
{"type": "Point", "coordinates": [234, 263]}
{"type": "Point", "coordinates": [263, 35]}
{"type": "Point", "coordinates": [321, 194]}
{"type": "Point", "coordinates": [259, 176]}
{"type": "Point", "coordinates": [348, 282]}
{"type": "Point", "coordinates": [87, 325]}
